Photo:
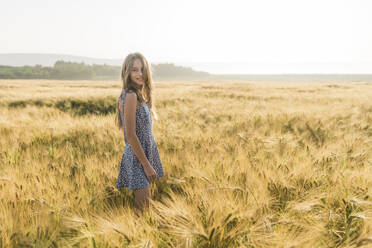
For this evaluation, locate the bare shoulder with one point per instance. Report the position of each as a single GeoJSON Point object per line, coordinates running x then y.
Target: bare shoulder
{"type": "Point", "coordinates": [130, 93]}
{"type": "Point", "coordinates": [131, 100]}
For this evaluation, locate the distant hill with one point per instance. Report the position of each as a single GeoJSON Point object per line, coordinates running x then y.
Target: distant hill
{"type": "Point", "coordinates": [26, 66]}
{"type": "Point", "coordinates": [109, 68]}
{"type": "Point", "coordinates": [82, 71]}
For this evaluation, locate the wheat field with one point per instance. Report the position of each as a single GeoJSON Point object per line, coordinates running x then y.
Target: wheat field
{"type": "Point", "coordinates": [247, 164]}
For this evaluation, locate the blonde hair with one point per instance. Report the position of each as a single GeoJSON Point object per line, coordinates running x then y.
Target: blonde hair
{"type": "Point", "coordinates": [144, 92]}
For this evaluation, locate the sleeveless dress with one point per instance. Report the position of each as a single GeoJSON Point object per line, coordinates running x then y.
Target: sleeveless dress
{"type": "Point", "coordinates": [131, 173]}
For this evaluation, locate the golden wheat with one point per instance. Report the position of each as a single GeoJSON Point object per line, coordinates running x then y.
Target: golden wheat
{"type": "Point", "coordinates": [247, 164]}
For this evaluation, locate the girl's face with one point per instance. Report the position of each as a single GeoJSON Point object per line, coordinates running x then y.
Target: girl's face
{"type": "Point", "coordinates": [136, 72]}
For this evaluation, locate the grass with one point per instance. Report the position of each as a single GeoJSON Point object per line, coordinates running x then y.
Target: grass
{"type": "Point", "coordinates": [247, 164]}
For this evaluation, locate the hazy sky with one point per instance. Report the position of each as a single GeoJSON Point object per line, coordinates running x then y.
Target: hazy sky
{"type": "Point", "coordinates": [249, 31]}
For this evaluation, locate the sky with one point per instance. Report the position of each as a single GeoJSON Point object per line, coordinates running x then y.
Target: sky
{"type": "Point", "coordinates": [247, 36]}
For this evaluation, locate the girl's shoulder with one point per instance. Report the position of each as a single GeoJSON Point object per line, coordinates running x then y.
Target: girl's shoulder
{"type": "Point", "coordinates": [125, 92]}
{"type": "Point", "coordinates": [129, 92]}
{"type": "Point", "coordinates": [132, 94]}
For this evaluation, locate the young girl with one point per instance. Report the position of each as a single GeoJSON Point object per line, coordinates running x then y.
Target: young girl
{"type": "Point", "coordinates": [140, 163]}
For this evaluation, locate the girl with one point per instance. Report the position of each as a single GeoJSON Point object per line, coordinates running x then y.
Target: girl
{"type": "Point", "coordinates": [140, 163]}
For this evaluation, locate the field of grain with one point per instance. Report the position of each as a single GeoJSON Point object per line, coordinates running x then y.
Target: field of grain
{"type": "Point", "coordinates": [247, 164]}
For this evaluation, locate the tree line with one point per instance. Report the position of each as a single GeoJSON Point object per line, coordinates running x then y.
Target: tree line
{"type": "Point", "coordinates": [81, 71]}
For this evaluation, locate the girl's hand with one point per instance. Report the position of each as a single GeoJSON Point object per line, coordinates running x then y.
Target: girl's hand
{"type": "Point", "coordinates": [150, 173]}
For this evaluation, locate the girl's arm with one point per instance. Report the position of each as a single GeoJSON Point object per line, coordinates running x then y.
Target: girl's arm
{"type": "Point", "coordinates": [130, 124]}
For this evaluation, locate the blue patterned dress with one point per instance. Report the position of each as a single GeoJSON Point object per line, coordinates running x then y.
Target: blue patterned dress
{"type": "Point", "coordinates": [131, 173]}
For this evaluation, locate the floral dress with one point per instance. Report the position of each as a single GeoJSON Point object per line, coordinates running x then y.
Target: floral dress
{"type": "Point", "coordinates": [131, 173]}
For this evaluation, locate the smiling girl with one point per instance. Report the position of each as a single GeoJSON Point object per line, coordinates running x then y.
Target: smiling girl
{"type": "Point", "coordinates": [140, 163]}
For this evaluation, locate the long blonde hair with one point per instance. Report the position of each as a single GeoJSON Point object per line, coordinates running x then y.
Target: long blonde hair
{"type": "Point", "coordinates": [144, 93]}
